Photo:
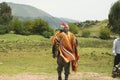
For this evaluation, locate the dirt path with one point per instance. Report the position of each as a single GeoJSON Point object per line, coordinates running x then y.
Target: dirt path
{"type": "Point", "coordinates": [73, 76]}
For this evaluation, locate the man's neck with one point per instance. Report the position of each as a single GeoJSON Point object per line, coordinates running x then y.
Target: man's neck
{"type": "Point", "coordinates": [66, 32]}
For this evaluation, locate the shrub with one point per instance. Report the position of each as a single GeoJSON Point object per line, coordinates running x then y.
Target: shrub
{"type": "Point", "coordinates": [85, 33]}
{"type": "Point", "coordinates": [18, 27]}
{"type": "Point", "coordinates": [46, 34]}
{"type": "Point", "coordinates": [3, 29]}
{"type": "Point", "coordinates": [104, 33]}
{"type": "Point", "coordinates": [73, 28]}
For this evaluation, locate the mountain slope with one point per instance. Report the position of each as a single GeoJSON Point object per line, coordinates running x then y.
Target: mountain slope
{"type": "Point", "coordinates": [26, 12]}
{"type": "Point", "coordinates": [68, 20]}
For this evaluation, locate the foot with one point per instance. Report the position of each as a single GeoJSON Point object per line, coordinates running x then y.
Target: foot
{"type": "Point", "coordinates": [59, 78]}
{"type": "Point", "coordinates": [113, 75]}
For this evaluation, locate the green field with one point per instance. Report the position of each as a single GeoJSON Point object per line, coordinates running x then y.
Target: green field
{"type": "Point", "coordinates": [21, 54]}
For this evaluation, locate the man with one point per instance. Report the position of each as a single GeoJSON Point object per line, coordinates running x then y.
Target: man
{"type": "Point", "coordinates": [65, 49]}
{"type": "Point", "coordinates": [116, 52]}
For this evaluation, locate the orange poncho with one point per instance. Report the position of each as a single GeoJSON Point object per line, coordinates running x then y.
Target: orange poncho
{"type": "Point", "coordinates": [67, 45]}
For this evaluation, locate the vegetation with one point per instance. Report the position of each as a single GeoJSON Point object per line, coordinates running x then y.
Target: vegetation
{"type": "Point", "coordinates": [7, 24]}
{"type": "Point", "coordinates": [74, 28]}
{"type": "Point", "coordinates": [94, 30]}
{"type": "Point", "coordinates": [4, 29]}
{"type": "Point", "coordinates": [20, 54]}
{"type": "Point", "coordinates": [104, 33]}
{"type": "Point", "coordinates": [85, 33]}
{"type": "Point", "coordinates": [5, 17]}
{"type": "Point", "coordinates": [5, 13]}
{"type": "Point", "coordinates": [87, 23]}
{"type": "Point", "coordinates": [32, 53]}
{"type": "Point", "coordinates": [114, 18]}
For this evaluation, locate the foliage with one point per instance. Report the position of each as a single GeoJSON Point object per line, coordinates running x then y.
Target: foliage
{"type": "Point", "coordinates": [73, 28]}
{"type": "Point", "coordinates": [37, 26]}
{"type": "Point", "coordinates": [16, 25]}
{"type": "Point", "coordinates": [5, 13]}
{"type": "Point", "coordinates": [114, 18]}
{"type": "Point", "coordinates": [105, 33]}
{"type": "Point", "coordinates": [23, 54]}
{"type": "Point", "coordinates": [41, 27]}
{"type": "Point", "coordinates": [94, 29]}
{"type": "Point", "coordinates": [87, 23]}
{"type": "Point", "coordinates": [4, 29]}
{"type": "Point", "coordinates": [46, 34]}
{"type": "Point", "coordinates": [85, 33]}
{"type": "Point", "coordinates": [29, 25]}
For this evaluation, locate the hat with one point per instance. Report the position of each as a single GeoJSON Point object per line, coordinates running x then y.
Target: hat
{"type": "Point", "coordinates": [63, 25]}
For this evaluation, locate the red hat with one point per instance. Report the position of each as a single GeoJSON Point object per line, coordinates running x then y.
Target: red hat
{"type": "Point", "coordinates": [64, 25]}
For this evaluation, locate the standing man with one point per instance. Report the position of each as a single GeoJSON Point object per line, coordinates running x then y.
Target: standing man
{"type": "Point", "coordinates": [65, 50]}
{"type": "Point", "coordinates": [116, 52]}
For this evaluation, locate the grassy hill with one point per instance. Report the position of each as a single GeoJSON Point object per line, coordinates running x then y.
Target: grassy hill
{"type": "Point", "coordinates": [94, 29]}
{"type": "Point", "coordinates": [21, 54]}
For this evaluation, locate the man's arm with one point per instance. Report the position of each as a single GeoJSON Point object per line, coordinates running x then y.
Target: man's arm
{"type": "Point", "coordinates": [114, 47]}
{"type": "Point", "coordinates": [53, 50]}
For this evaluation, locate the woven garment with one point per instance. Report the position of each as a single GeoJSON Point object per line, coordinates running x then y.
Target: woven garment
{"type": "Point", "coordinates": [67, 45]}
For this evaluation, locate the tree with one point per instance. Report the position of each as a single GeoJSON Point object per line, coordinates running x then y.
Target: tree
{"type": "Point", "coordinates": [73, 28]}
{"type": "Point", "coordinates": [114, 18]}
{"type": "Point", "coordinates": [16, 25]}
{"type": "Point", "coordinates": [41, 27]}
{"type": "Point", "coordinates": [5, 13]}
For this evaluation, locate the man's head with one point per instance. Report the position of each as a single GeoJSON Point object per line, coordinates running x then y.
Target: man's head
{"type": "Point", "coordinates": [64, 27]}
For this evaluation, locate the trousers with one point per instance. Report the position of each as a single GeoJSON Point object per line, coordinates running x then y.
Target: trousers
{"type": "Point", "coordinates": [62, 64]}
{"type": "Point", "coordinates": [117, 59]}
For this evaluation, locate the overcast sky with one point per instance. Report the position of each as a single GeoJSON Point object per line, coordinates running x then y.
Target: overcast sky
{"type": "Point", "coordinates": [74, 9]}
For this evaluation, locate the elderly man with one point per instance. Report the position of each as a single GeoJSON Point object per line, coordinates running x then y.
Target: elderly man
{"type": "Point", "coordinates": [65, 49]}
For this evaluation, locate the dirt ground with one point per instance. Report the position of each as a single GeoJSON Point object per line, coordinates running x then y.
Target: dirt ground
{"type": "Point", "coordinates": [44, 76]}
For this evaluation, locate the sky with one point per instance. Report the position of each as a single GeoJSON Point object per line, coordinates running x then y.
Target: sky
{"type": "Point", "coordinates": [80, 10]}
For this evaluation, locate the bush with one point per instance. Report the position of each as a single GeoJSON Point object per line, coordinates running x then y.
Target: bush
{"type": "Point", "coordinates": [46, 34]}
{"type": "Point", "coordinates": [3, 29]}
{"type": "Point", "coordinates": [39, 26]}
{"type": "Point", "coordinates": [85, 33]}
{"type": "Point", "coordinates": [104, 33]}
{"type": "Point", "coordinates": [18, 27]}
{"type": "Point", "coordinates": [73, 28]}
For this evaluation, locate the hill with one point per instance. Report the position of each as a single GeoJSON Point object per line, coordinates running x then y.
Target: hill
{"type": "Point", "coordinates": [93, 27]}
{"type": "Point", "coordinates": [26, 12]}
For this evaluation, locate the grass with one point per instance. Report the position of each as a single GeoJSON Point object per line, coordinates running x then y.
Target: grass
{"type": "Point", "coordinates": [94, 43]}
{"type": "Point", "coordinates": [13, 37]}
{"type": "Point", "coordinates": [95, 29]}
{"type": "Point", "coordinates": [20, 54]}
{"type": "Point", "coordinates": [98, 60]}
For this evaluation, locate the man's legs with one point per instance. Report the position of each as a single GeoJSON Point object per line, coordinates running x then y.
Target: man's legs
{"type": "Point", "coordinates": [117, 59]}
{"type": "Point", "coordinates": [116, 62]}
{"type": "Point", "coordinates": [60, 67]}
{"type": "Point", "coordinates": [67, 70]}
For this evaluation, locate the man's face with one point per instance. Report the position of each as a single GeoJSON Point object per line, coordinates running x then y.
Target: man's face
{"type": "Point", "coordinates": [66, 29]}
